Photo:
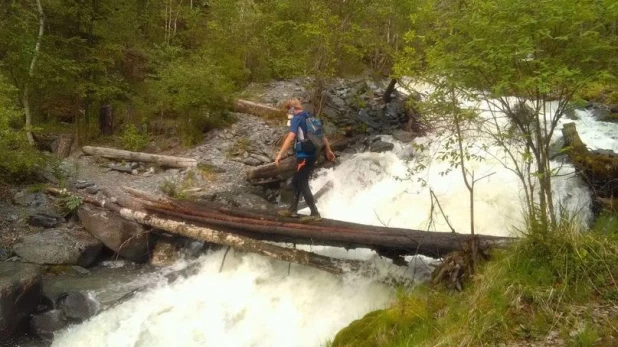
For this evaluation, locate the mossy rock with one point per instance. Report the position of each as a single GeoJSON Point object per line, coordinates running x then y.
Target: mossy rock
{"type": "Point", "coordinates": [382, 327]}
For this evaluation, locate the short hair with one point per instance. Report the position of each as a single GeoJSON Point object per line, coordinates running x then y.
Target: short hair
{"type": "Point", "coordinates": [292, 102]}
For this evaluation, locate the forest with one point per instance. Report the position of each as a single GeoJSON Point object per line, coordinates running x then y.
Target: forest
{"type": "Point", "coordinates": [157, 65]}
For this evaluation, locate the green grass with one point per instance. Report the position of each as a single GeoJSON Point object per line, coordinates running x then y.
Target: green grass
{"type": "Point", "coordinates": [546, 282]}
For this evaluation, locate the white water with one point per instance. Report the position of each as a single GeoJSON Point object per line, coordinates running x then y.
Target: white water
{"type": "Point", "coordinates": [254, 302]}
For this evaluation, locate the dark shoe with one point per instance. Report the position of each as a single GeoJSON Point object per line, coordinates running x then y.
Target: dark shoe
{"type": "Point", "coordinates": [288, 213]}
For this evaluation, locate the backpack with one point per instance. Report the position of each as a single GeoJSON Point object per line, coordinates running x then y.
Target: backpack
{"type": "Point", "coordinates": [313, 142]}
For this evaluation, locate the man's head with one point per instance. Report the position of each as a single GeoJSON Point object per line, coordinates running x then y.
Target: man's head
{"type": "Point", "coordinates": [294, 105]}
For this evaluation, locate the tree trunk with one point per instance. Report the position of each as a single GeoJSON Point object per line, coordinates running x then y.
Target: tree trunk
{"type": "Point", "coordinates": [260, 110]}
{"type": "Point", "coordinates": [163, 160]}
{"type": "Point", "coordinates": [389, 91]}
{"type": "Point", "coordinates": [245, 244]}
{"type": "Point", "coordinates": [263, 226]}
{"type": "Point", "coordinates": [106, 123]}
{"type": "Point", "coordinates": [37, 48]}
{"type": "Point", "coordinates": [599, 169]}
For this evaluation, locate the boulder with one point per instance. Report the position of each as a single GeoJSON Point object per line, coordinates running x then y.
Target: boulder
{"type": "Point", "coordinates": [45, 324]}
{"type": "Point", "coordinates": [381, 146]}
{"type": "Point", "coordinates": [20, 292]}
{"type": "Point", "coordinates": [25, 198]}
{"type": "Point", "coordinates": [45, 219]}
{"type": "Point", "coordinates": [59, 246]}
{"type": "Point", "coordinates": [404, 136]}
{"type": "Point", "coordinates": [80, 305]}
{"type": "Point", "coordinates": [129, 239]}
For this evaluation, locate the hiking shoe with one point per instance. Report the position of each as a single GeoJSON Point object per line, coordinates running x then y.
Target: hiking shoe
{"type": "Point", "coordinates": [288, 213]}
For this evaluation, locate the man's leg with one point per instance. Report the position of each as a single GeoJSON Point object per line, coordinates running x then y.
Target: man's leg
{"type": "Point", "coordinates": [296, 190]}
{"type": "Point", "coordinates": [304, 175]}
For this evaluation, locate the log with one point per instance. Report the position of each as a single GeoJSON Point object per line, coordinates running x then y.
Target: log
{"type": "Point", "coordinates": [392, 241]}
{"type": "Point", "coordinates": [242, 243]}
{"type": "Point", "coordinates": [163, 160]}
{"type": "Point", "coordinates": [260, 110]}
{"type": "Point", "coordinates": [599, 169]}
{"type": "Point", "coordinates": [288, 165]}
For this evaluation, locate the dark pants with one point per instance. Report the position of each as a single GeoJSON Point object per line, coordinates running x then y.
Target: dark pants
{"type": "Point", "coordinates": [300, 184]}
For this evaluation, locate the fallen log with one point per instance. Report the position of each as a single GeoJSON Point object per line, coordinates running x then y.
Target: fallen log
{"type": "Point", "coordinates": [599, 169]}
{"type": "Point", "coordinates": [287, 166]}
{"type": "Point", "coordinates": [242, 243]}
{"type": "Point", "coordinates": [393, 242]}
{"type": "Point", "coordinates": [163, 160]}
{"type": "Point", "coordinates": [260, 110]}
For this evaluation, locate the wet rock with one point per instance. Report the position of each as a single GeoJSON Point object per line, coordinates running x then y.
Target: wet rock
{"type": "Point", "coordinates": [404, 136]}
{"type": "Point", "coordinates": [129, 239]}
{"type": "Point", "coordinates": [45, 219]}
{"type": "Point", "coordinates": [80, 305]}
{"type": "Point", "coordinates": [20, 292]}
{"type": "Point", "coordinates": [164, 253]}
{"type": "Point", "coordinates": [25, 198]}
{"type": "Point", "coordinates": [92, 190]}
{"type": "Point", "coordinates": [45, 324]}
{"type": "Point", "coordinates": [381, 146]}
{"type": "Point", "coordinates": [59, 246]}
{"type": "Point", "coordinates": [239, 199]}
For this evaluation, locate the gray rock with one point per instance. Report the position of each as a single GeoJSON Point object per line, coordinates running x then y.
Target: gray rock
{"type": "Point", "coordinates": [45, 324]}
{"type": "Point", "coordinates": [381, 146]}
{"type": "Point", "coordinates": [262, 158]}
{"type": "Point", "coordinates": [4, 254]}
{"type": "Point", "coordinates": [25, 198]}
{"type": "Point", "coordinates": [20, 292]}
{"type": "Point", "coordinates": [59, 246]}
{"type": "Point", "coordinates": [601, 114]}
{"type": "Point", "coordinates": [45, 219]}
{"type": "Point", "coordinates": [129, 239]}
{"type": "Point", "coordinates": [80, 305]}
{"type": "Point", "coordinates": [83, 184]}
{"type": "Point", "coordinates": [92, 190]}
{"type": "Point", "coordinates": [252, 161]}
{"type": "Point", "coordinates": [404, 136]}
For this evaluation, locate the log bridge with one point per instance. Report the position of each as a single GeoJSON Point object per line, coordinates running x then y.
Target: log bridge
{"type": "Point", "coordinates": [246, 230]}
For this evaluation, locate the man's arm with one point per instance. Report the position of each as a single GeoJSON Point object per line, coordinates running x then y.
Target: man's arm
{"type": "Point", "coordinates": [284, 148]}
{"type": "Point", "coordinates": [329, 153]}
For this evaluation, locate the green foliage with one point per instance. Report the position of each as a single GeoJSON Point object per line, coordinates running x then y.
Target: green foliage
{"type": "Point", "coordinates": [132, 139]}
{"type": "Point", "coordinates": [536, 286]}
{"type": "Point", "coordinates": [71, 203]}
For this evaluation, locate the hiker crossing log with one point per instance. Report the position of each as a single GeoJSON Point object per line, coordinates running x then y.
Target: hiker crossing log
{"type": "Point", "coordinates": [391, 242]}
{"type": "Point", "coordinates": [163, 160]}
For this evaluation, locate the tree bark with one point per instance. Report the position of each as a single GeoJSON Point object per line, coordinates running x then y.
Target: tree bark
{"type": "Point", "coordinates": [37, 48]}
{"type": "Point", "coordinates": [106, 122]}
{"type": "Point", "coordinates": [389, 91]}
{"type": "Point", "coordinates": [163, 160]}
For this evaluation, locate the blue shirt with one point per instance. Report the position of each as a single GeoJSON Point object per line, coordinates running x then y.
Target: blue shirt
{"type": "Point", "coordinates": [297, 123]}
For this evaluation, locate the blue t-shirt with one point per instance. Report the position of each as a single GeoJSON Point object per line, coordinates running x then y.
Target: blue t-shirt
{"type": "Point", "coordinates": [297, 123]}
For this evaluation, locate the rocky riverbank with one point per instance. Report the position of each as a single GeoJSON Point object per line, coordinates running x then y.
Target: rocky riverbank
{"type": "Point", "coordinates": [63, 263]}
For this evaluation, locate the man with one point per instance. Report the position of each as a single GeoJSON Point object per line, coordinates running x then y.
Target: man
{"type": "Point", "coordinates": [305, 161]}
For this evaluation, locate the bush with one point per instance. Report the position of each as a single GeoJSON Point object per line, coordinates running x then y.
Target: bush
{"type": "Point", "coordinates": [132, 139]}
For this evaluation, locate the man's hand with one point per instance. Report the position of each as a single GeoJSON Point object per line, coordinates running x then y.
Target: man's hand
{"type": "Point", "coordinates": [330, 155]}
{"type": "Point", "coordinates": [277, 160]}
